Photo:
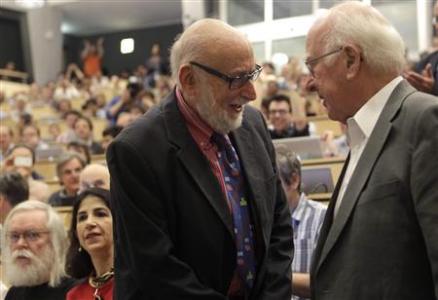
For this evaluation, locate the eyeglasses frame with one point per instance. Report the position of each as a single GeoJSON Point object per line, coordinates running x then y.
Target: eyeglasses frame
{"type": "Point", "coordinates": [310, 62]}
{"type": "Point", "coordinates": [230, 79]}
{"type": "Point", "coordinates": [25, 235]}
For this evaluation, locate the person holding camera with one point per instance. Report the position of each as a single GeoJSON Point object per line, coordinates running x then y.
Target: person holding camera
{"type": "Point", "coordinates": [21, 159]}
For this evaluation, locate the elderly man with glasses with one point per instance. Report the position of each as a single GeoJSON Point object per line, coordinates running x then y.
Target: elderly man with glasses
{"type": "Point", "coordinates": [198, 206]}
{"type": "Point", "coordinates": [379, 236]}
{"type": "Point", "coordinates": [34, 245]}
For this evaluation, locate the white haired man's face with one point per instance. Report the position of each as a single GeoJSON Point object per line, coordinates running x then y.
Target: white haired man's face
{"type": "Point", "coordinates": [29, 253]}
{"type": "Point", "coordinates": [221, 107]}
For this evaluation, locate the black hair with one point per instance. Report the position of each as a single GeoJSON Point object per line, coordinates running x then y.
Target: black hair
{"type": "Point", "coordinates": [113, 131]}
{"type": "Point", "coordinates": [281, 98]}
{"type": "Point", "coordinates": [134, 89]}
{"type": "Point", "coordinates": [76, 145]}
{"type": "Point", "coordinates": [71, 112]}
{"type": "Point", "coordinates": [14, 187]}
{"type": "Point", "coordinates": [79, 263]}
{"type": "Point", "coordinates": [82, 117]}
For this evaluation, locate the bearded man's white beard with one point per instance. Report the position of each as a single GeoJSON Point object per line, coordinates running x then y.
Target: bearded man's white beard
{"type": "Point", "coordinates": [216, 116]}
{"type": "Point", "coordinates": [33, 274]}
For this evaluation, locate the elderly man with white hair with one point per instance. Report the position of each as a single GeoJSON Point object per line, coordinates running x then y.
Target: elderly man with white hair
{"type": "Point", "coordinates": [198, 207]}
{"type": "Point", "coordinates": [33, 253]}
{"type": "Point", "coordinates": [379, 236]}
{"type": "Point", "coordinates": [94, 175]}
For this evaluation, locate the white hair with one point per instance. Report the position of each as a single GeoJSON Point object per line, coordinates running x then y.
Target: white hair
{"type": "Point", "coordinates": [57, 233]}
{"type": "Point", "coordinates": [355, 22]}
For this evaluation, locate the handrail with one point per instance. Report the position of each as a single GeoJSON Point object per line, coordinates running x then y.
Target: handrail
{"type": "Point", "coordinates": [14, 74]}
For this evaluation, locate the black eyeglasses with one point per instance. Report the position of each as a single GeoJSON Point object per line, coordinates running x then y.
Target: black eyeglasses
{"type": "Point", "coordinates": [311, 63]}
{"type": "Point", "coordinates": [233, 82]}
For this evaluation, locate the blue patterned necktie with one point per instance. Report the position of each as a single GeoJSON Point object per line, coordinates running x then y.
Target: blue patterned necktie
{"type": "Point", "coordinates": [234, 184]}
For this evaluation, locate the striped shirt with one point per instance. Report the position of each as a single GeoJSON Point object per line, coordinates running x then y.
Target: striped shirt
{"type": "Point", "coordinates": [307, 220]}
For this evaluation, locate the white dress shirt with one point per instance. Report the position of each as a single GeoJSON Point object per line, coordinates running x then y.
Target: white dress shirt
{"type": "Point", "coordinates": [359, 129]}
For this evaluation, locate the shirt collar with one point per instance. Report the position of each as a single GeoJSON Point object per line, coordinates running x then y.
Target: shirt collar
{"type": "Point", "coordinates": [192, 118]}
{"type": "Point", "coordinates": [361, 125]}
{"type": "Point", "coordinates": [298, 212]}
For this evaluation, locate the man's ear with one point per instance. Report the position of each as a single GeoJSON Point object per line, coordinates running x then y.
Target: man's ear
{"type": "Point", "coordinates": [354, 60]}
{"type": "Point", "coordinates": [187, 79]}
{"type": "Point", "coordinates": [295, 182]}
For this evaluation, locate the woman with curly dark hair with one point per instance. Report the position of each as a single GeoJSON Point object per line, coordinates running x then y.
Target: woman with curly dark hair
{"type": "Point", "coordinates": [91, 252]}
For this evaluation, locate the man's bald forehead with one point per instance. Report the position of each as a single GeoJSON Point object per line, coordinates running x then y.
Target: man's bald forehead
{"type": "Point", "coordinates": [209, 27]}
{"type": "Point", "coordinates": [211, 31]}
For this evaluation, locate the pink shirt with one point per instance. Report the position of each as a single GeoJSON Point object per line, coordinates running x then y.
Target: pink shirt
{"type": "Point", "coordinates": [201, 133]}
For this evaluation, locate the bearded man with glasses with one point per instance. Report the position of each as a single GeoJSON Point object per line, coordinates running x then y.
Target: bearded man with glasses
{"type": "Point", "coordinates": [198, 206]}
{"type": "Point", "coordinates": [34, 245]}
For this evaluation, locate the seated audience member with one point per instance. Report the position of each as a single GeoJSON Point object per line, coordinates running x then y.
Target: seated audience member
{"type": "Point", "coordinates": [124, 102]}
{"type": "Point", "coordinates": [335, 146]}
{"type": "Point", "coordinates": [94, 175]}
{"type": "Point", "coordinates": [33, 253]}
{"type": "Point", "coordinates": [68, 169]}
{"type": "Point", "coordinates": [80, 149]}
{"type": "Point", "coordinates": [271, 87]}
{"type": "Point", "coordinates": [31, 136]}
{"type": "Point", "coordinates": [110, 134]}
{"type": "Point", "coordinates": [137, 110]}
{"type": "Point", "coordinates": [6, 141]}
{"type": "Point", "coordinates": [20, 106]}
{"type": "Point", "coordinates": [54, 132]}
{"type": "Point", "coordinates": [425, 75]}
{"type": "Point", "coordinates": [69, 135]}
{"type": "Point", "coordinates": [280, 117]}
{"type": "Point", "coordinates": [89, 108]}
{"type": "Point", "coordinates": [84, 134]}
{"type": "Point", "coordinates": [307, 218]}
{"type": "Point", "coordinates": [14, 189]}
{"type": "Point", "coordinates": [66, 91]}
{"type": "Point", "coordinates": [124, 119]}
{"type": "Point", "coordinates": [147, 99]}
{"type": "Point", "coordinates": [21, 159]}
{"type": "Point", "coordinates": [91, 253]}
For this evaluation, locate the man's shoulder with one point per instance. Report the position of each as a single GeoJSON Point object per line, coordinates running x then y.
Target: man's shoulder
{"type": "Point", "coordinates": [150, 124]}
{"type": "Point", "coordinates": [314, 205]}
{"type": "Point", "coordinates": [418, 101]}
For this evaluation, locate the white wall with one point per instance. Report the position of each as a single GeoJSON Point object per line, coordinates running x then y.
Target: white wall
{"type": "Point", "coordinates": [192, 11]}
{"type": "Point", "coordinates": [46, 42]}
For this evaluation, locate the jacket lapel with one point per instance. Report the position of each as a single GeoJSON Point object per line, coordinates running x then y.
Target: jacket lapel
{"type": "Point", "coordinates": [364, 167]}
{"type": "Point", "coordinates": [328, 220]}
{"type": "Point", "coordinates": [194, 161]}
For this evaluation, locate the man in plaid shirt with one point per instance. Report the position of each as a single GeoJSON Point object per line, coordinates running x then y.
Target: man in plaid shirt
{"type": "Point", "coordinates": [307, 217]}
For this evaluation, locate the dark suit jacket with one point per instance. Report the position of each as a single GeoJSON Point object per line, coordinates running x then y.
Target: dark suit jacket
{"type": "Point", "coordinates": [173, 227]}
{"type": "Point", "coordinates": [383, 243]}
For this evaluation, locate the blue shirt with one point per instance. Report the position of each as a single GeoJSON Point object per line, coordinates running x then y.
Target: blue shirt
{"type": "Point", "coordinates": [307, 220]}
